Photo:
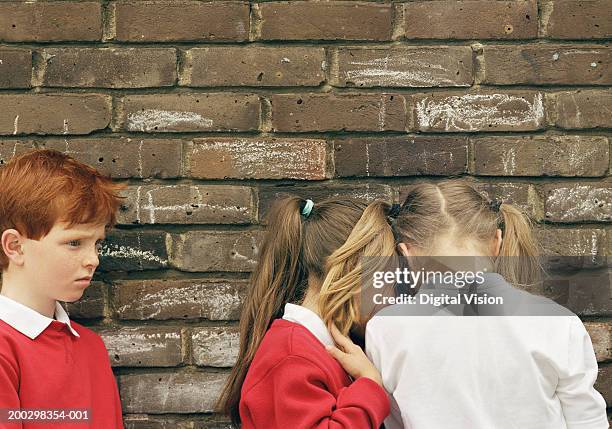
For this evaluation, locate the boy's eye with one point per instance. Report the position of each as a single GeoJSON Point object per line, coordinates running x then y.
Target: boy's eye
{"type": "Point", "coordinates": [74, 243]}
{"type": "Point", "coordinates": [99, 245]}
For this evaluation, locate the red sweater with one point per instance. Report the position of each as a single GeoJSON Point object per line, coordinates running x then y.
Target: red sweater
{"type": "Point", "coordinates": [294, 383]}
{"type": "Point", "coordinates": [58, 370]}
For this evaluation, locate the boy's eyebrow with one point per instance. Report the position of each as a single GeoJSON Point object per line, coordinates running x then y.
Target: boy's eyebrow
{"type": "Point", "coordinates": [85, 235]}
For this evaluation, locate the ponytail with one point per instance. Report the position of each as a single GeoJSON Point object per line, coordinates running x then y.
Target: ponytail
{"type": "Point", "coordinates": [339, 295]}
{"type": "Point", "coordinates": [518, 257]}
{"type": "Point", "coordinates": [279, 277]}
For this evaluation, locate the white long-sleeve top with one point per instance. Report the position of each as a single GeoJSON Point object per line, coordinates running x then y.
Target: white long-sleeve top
{"type": "Point", "coordinates": [486, 372]}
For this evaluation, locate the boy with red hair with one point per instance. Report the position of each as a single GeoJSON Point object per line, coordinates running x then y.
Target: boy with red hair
{"type": "Point", "coordinates": [54, 373]}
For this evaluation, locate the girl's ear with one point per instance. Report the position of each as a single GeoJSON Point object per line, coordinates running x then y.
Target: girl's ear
{"type": "Point", "coordinates": [404, 249]}
{"type": "Point", "coordinates": [497, 242]}
{"type": "Point", "coordinates": [11, 245]}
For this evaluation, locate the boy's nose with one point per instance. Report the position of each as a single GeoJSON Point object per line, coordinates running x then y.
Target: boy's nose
{"type": "Point", "coordinates": [92, 259]}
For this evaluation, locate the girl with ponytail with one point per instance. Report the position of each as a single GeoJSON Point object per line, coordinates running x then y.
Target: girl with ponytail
{"type": "Point", "coordinates": [517, 371]}
{"type": "Point", "coordinates": [284, 377]}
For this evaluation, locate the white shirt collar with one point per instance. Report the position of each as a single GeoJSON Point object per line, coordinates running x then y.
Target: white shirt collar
{"type": "Point", "coordinates": [310, 320]}
{"type": "Point", "coordinates": [30, 322]}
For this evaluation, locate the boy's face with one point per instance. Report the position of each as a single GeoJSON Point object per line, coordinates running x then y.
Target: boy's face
{"type": "Point", "coordinates": [61, 264]}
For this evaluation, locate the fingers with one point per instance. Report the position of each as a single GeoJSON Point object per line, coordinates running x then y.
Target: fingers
{"type": "Point", "coordinates": [340, 339]}
{"type": "Point", "coordinates": [335, 352]}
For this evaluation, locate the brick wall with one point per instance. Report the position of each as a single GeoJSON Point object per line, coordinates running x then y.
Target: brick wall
{"type": "Point", "coordinates": [209, 110]}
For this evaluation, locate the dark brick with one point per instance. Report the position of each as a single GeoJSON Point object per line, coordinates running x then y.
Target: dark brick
{"type": "Point", "coordinates": [338, 112]}
{"type": "Point", "coordinates": [581, 109]}
{"type": "Point", "coordinates": [576, 19]}
{"type": "Point", "coordinates": [92, 303]}
{"type": "Point", "coordinates": [143, 346]}
{"type": "Point", "coordinates": [304, 20]}
{"type": "Point", "coordinates": [254, 66]}
{"type": "Point", "coordinates": [15, 67]}
{"type": "Point", "coordinates": [134, 251]}
{"type": "Point", "coordinates": [400, 156]}
{"type": "Point", "coordinates": [110, 67]}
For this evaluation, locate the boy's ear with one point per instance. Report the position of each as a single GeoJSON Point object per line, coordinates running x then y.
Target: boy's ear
{"type": "Point", "coordinates": [12, 241]}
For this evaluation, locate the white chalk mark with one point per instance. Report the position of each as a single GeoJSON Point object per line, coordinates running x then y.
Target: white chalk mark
{"type": "Point", "coordinates": [164, 120]}
{"type": "Point", "coordinates": [65, 127]}
{"type": "Point", "coordinates": [140, 168]}
{"type": "Point", "coordinates": [127, 252]}
{"type": "Point", "coordinates": [367, 159]}
{"type": "Point", "coordinates": [472, 112]}
{"type": "Point", "coordinates": [509, 161]}
{"type": "Point", "coordinates": [15, 124]}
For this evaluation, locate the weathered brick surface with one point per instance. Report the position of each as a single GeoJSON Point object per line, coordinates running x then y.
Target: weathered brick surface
{"type": "Point", "coordinates": [143, 346]}
{"type": "Point", "coordinates": [581, 109]}
{"type": "Point", "coordinates": [576, 19]}
{"type": "Point", "coordinates": [124, 157]}
{"type": "Point", "coordinates": [134, 251]}
{"type": "Point", "coordinates": [493, 111]}
{"type": "Point", "coordinates": [405, 67]}
{"type": "Point", "coordinates": [92, 303]}
{"type": "Point", "coordinates": [190, 112]}
{"type": "Point", "coordinates": [215, 346]}
{"type": "Point", "coordinates": [366, 192]}
{"type": "Point", "coordinates": [53, 113]}
{"type": "Point", "coordinates": [234, 251]}
{"type": "Point", "coordinates": [302, 20]}
{"type": "Point", "coordinates": [109, 68]}
{"type": "Point", "coordinates": [187, 204]}
{"type": "Point", "coordinates": [578, 202]}
{"type": "Point", "coordinates": [471, 19]}
{"type": "Point", "coordinates": [341, 112]}
{"type": "Point", "coordinates": [549, 65]}
{"type": "Point", "coordinates": [222, 158]}
{"type": "Point", "coordinates": [15, 68]}
{"type": "Point", "coordinates": [574, 241]}
{"type": "Point", "coordinates": [521, 195]}
{"type": "Point", "coordinates": [50, 21]}
{"type": "Point", "coordinates": [585, 292]}
{"type": "Point", "coordinates": [541, 156]}
{"type": "Point", "coordinates": [178, 299]}
{"type": "Point", "coordinates": [400, 156]}
{"type": "Point", "coordinates": [176, 392]}
{"type": "Point", "coordinates": [161, 21]}
{"type": "Point", "coordinates": [601, 337]}
{"type": "Point", "coordinates": [254, 66]}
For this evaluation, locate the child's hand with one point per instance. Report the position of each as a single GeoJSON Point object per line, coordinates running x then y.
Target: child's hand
{"type": "Point", "coordinates": [352, 358]}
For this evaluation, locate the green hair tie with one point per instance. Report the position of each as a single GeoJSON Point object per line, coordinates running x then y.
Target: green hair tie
{"type": "Point", "coordinates": [307, 208]}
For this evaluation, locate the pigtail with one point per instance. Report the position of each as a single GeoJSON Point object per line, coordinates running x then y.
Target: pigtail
{"type": "Point", "coordinates": [518, 257]}
{"type": "Point", "coordinates": [279, 277]}
{"type": "Point", "coordinates": [340, 293]}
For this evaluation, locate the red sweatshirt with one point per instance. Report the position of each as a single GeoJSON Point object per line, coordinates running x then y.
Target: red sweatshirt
{"type": "Point", "coordinates": [294, 383]}
{"type": "Point", "coordinates": [65, 366]}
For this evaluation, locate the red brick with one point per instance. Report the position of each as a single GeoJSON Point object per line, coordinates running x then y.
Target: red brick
{"type": "Point", "coordinates": [304, 20]}
{"type": "Point", "coordinates": [400, 156]}
{"type": "Point", "coordinates": [163, 299]}
{"type": "Point", "coordinates": [123, 157]}
{"type": "Point", "coordinates": [187, 204]}
{"type": "Point", "coordinates": [339, 112]}
{"type": "Point", "coordinates": [50, 21]}
{"type": "Point", "coordinates": [405, 67]}
{"type": "Point", "coordinates": [215, 346]}
{"type": "Point", "coordinates": [175, 392]}
{"type": "Point", "coordinates": [220, 251]}
{"type": "Point", "coordinates": [492, 111]}
{"type": "Point", "coordinates": [15, 67]}
{"type": "Point", "coordinates": [254, 66]}
{"type": "Point", "coordinates": [164, 21]}
{"type": "Point", "coordinates": [471, 19]}
{"type": "Point", "coordinates": [366, 192]}
{"type": "Point", "coordinates": [581, 109]}
{"type": "Point", "coordinates": [548, 65]}
{"type": "Point", "coordinates": [585, 202]}
{"type": "Point", "coordinates": [552, 155]}
{"type": "Point", "coordinates": [53, 113]}
{"type": "Point", "coordinates": [143, 346]}
{"type": "Point", "coordinates": [190, 112]}
{"type": "Point", "coordinates": [219, 158]}
{"type": "Point", "coordinates": [576, 19]}
{"type": "Point", "coordinates": [110, 67]}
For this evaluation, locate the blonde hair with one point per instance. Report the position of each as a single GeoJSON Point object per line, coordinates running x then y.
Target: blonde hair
{"type": "Point", "coordinates": [429, 213]}
{"type": "Point", "coordinates": [294, 248]}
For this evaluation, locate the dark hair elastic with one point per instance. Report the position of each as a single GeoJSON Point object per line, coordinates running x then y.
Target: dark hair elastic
{"type": "Point", "coordinates": [494, 204]}
{"type": "Point", "coordinates": [394, 211]}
